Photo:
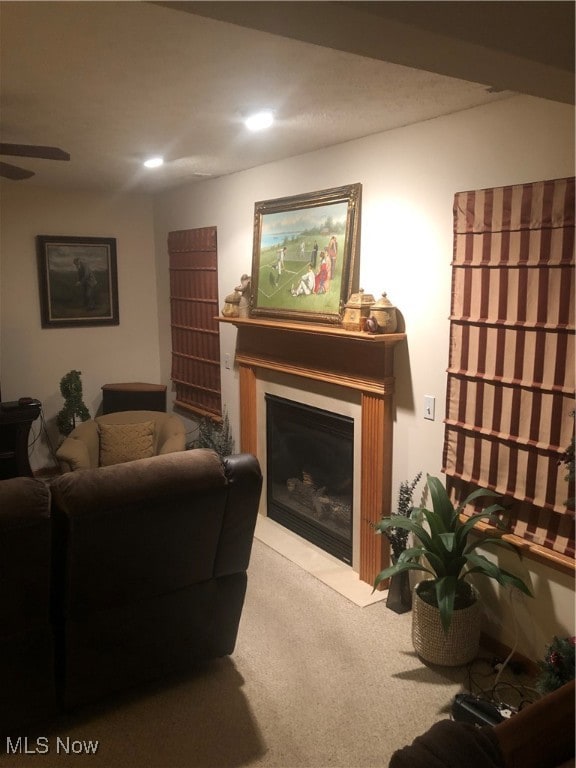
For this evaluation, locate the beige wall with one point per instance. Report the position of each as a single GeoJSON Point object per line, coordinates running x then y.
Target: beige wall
{"type": "Point", "coordinates": [33, 359]}
{"type": "Point", "coordinates": [409, 179]}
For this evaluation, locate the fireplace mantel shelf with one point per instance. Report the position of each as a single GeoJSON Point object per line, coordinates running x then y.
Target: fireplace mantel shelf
{"type": "Point", "coordinates": [334, 331]}
{"type": "Point", "coordinates": [330, 354]}
{"type": "Point", "coordinates": [361, 361]}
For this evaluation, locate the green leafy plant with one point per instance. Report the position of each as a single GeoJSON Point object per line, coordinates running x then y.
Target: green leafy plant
{"type": "Point", "coordinates": [557, 668]}
{"type": "Point", "coordinates": [447, 552]}
{"type": "Point", "coordinates": [398, 537]}
{"type": "Point", "coordinates": [215, 435]}
{"type": "Point", "coordinates": [74, 407]}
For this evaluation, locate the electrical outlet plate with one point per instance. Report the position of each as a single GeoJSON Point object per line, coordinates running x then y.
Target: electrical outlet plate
{"type": "Point", "coordinates": [429, 407]}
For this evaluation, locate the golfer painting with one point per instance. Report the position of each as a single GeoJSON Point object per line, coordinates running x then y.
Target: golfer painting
{"type": "Point", "coordinates": [78, 282]}
{"type": "Point", "coordinates": [87, 282]}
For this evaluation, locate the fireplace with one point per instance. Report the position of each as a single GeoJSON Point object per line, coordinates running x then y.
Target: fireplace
{"type": "Point", "coordinates": [352, 361]}
{"type": "Point", "coordinates": [310, 466]}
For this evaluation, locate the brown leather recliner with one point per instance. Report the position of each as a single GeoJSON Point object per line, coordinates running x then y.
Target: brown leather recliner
{"type": "Point", "coordinates": [151, 562]}
{"type": "Point", "coordinates": [113, 576]}
{"type": "Point", "coordinates": [27, 692]}
{"type": "Point", "coordinates": [541, 735]}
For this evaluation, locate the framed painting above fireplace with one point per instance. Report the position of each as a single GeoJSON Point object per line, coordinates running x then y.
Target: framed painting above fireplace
{"type": "Point", "coordinates": [305, 254]}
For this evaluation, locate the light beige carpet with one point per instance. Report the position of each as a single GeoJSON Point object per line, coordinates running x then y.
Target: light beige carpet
{"type": "Point", "coordinates": [315, 682]}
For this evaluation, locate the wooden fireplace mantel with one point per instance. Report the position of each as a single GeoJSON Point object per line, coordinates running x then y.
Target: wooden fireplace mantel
{"type": "Point", "coordinates": [354, 360]}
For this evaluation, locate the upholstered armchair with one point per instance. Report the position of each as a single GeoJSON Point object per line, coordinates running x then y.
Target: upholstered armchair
{"type": "Point", "coordinates": [119, 437]}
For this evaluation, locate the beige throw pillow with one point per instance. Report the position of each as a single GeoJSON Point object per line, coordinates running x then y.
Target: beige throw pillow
{"type": "Point", "coordinates": [125, 442]}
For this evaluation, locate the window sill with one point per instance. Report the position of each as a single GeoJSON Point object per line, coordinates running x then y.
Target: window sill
{"type": "Point", "coordinates": [537, 552]}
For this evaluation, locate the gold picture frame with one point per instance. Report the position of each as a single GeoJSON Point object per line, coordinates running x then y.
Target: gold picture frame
{"type": "Point", "coordinates": [306, 255]}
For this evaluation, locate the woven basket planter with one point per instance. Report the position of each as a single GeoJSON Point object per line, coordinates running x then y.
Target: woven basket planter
{"type": "Point", "coordinates": [458, 646]}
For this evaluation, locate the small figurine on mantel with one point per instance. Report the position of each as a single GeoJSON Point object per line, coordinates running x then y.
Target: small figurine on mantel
{"type": "Point", "coordinates": [237, 304]}
{"type": "Point", "coordinates": [231, 304]}
{"type": "Point", "coordinates": [244, 289]}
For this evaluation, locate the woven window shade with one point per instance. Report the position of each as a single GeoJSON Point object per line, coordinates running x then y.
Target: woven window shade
{"type": "Point", "coordinates": [194, 309]}
{"type": "Point", "coordinates": [510, 394]}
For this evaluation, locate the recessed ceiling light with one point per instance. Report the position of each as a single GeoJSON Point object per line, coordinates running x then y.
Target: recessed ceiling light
{"type": "Point", "coordinates": [154, 162]}
{"type": "Point", "coordinates": [259, 121]}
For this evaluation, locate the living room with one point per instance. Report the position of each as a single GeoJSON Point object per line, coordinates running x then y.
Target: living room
{"type": "Point", "coordinates": [409, 177]}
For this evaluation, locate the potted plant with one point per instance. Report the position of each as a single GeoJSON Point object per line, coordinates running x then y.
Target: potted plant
{"type": "Point", "coordinates": [558, 666]}
{"type": "Point", "coordinates": [74, 407]}
{"type": "Point", "coordinates": [215, 435]}
{"type": "Point", "coordinates": [399, 597]}
{"type": "Point", "coordinates": [446, 609]}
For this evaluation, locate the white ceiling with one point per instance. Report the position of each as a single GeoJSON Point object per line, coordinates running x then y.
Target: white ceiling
{"type": "Point", "coordinates": [113, 82]}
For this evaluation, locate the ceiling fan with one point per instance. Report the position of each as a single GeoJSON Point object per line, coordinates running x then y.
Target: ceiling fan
{"type": "Point", "coordinates": [14, 172]}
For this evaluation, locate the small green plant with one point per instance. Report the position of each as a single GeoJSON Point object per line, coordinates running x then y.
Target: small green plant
{"type": "Point", "coordinates": [446, 553]}
{"type": "Point", "coordinates": [398, 537]}
{"type": "Point", "coordinates": [74, 407]}
{"type": "Point", "coordinates": [557, 668]}
{"type": "Point", "coordinates": [215, 435]}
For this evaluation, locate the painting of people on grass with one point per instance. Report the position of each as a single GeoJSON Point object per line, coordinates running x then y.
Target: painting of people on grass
{"type": "Point", "coordinates": [303, 253]}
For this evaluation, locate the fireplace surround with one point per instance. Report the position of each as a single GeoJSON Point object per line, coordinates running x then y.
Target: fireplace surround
{"type": "Point", "coordinates": [357, 361]}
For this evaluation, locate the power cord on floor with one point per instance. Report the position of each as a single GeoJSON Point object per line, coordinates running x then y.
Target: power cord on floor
{"type": "Point", "coordinates": [489, 704]}
{"type": "Point", "coordinates": [502, 667]}
{"type": "Point", "coordinates": [510, 694]}
{"type": "Point", "coordinates": [36, 436]}
{"type": "Point", "coordinates": [512, 593]}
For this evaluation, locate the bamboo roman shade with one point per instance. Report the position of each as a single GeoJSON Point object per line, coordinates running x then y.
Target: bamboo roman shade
{"type": "Point", "coordinates": [510, 393]}
{"type": "Point", "coordinates": [194, 309]}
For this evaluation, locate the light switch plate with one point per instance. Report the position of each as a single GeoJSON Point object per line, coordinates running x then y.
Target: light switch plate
{"type": "Point", "coordinates": [429, 407]}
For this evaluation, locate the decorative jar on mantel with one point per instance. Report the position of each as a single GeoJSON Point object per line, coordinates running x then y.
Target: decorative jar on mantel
{"type": "Point", "coordinates": [384, 313]}
{"type": "Point", "coordinates": [357, 311]}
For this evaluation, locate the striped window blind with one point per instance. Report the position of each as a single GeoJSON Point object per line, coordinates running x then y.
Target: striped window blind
{"type": "Point", "coordinates": [510, 393]}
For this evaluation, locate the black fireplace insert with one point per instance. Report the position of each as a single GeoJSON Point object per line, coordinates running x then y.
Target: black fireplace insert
{"type": "Point", "coordinates": [310, 469]}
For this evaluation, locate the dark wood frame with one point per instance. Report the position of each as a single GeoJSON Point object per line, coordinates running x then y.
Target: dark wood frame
{"type": "Point", "coordinates": [62, 297]}
{"type": "Point", "coordinates": [296, 208]}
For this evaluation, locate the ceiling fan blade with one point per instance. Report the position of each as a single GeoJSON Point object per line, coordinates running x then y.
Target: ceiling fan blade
{"type": "Point", "coordinates": [13, 172]}
{"type": "Point", "coordinates": [33, 150]}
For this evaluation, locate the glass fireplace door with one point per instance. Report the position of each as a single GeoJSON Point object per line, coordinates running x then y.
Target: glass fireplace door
{"type": "Point", "coordinates": [310, 466]}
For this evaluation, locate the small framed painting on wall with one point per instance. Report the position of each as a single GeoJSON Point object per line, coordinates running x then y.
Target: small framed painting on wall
{"type": "Point", "coordinates": [78, 281]}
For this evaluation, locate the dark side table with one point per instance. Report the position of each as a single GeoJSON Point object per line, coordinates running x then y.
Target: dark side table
{"type": "Point", "coordinates": [15, 422]}
{"type": "Point", "coordinates": [134, 396]}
